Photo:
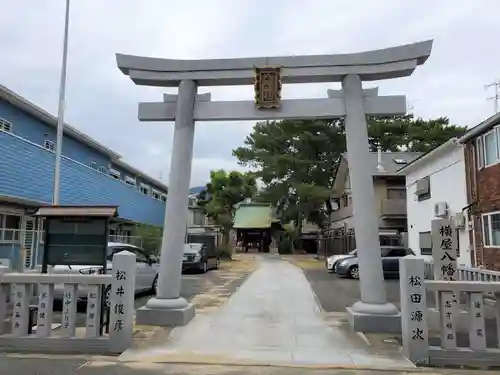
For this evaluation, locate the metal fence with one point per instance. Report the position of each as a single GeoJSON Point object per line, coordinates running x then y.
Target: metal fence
{"type": "Point", "coordinates": [18, 247]}
{"type": "Point", "coordinates": [336, 244]}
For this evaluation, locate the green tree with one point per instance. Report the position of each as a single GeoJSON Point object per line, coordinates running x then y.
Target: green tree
{"type": "Point", "coordinates": [295, 159]}
{"type": "Point", "coordinates": [151, 238]}
{"type": "Point", "coordinates": [222, 192]}
{"type": "Point", "coordinates": [409, 133]}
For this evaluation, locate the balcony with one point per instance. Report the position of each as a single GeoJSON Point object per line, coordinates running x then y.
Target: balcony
{"type": "Point", "coordinates": [343, 213]}
{"type": "Point", "coordinates": [393, 208]}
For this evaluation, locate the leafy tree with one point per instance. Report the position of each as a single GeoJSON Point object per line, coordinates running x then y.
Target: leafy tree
{"type": "Point", "coordinates": [151, 238]}
{"type": "Point", "coordinates": [411, 134]}
{"type": "Point", "coordinates": [295, 159]}
{"type": "Point", "coordinates": [222, 192]}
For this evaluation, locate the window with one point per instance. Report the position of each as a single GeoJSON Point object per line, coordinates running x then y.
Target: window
{"type": "Point", "coordinates": [49, 145]}
{"type": "Point", "coordinates": [163, 198]}
{"type": "Point", "coordinates": [346, 200]}
{"type": "Point", "coordinates": [488, 148]}
{"type": "Point", "coordinates": [198, 217]}
{"type": "Point", "coordinates": [114, 173]}
{"type": "Point", "coordinates": [395, 193]}
{"type": "Point", "coordinates": [144, 189]}
{"type": "Point", "coordinates": [9, 227]}
{"type": "Point", "coordinates": [130, 180]}
{"type": "Point", "coordinates": [423, 191]}
{"type": "Point", "coordinates": [491, 229]}
{"type": "Point", "coordinates": [397, 253]}
{"type": "Point", "coordinates": [5, 125]}
{"type": "Point", "coordinates": [140, 256]}
{"type": "Point", "coordinates": [480, 152]}
{"type": "Point", "coordinates": [425, 243]}
{"type": "Point", "coordinates": [156, 194]}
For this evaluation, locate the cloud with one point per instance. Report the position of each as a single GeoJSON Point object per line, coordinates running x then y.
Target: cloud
{"type": "Point", "coordinates": [102, 102]}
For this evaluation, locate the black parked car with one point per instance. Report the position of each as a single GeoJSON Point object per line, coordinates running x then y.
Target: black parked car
{"type": "Point", "coordinates": [348, 265]}
{"type": "Point", "coordinates": [199, 257]}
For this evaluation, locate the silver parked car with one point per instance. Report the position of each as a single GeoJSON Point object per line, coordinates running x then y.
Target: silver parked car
{"type": "Point", "coordinates": [347, 265]}
{"type": "Point", "coordinates": [146, 276]}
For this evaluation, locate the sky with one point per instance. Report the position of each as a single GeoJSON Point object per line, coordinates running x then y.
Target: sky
{"type": "Point", "coordinates": [102, 102]}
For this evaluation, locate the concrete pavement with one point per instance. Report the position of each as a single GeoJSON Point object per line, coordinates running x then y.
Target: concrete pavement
{"type": "Point", "coordinates": [273, 319]}
{"type": "Point", "coordinates": [109, 366]}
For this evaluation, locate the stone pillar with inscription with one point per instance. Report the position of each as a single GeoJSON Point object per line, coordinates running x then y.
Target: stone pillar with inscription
{"type": "Point", "coordinates": [44, 314]}
{"type": "Point", "coordinates": [414, 329]}
{"type": "Point", "coordinates": [444, 255]}
{"type": "Point", "coordinates": [121, 326]}
{"type": "Point", "coordinates": [68, 322]}
{"type": "Point", "coordinates": [20, 313]}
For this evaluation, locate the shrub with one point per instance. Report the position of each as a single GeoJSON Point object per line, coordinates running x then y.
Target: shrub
{"type": "Point", "coordinates": [225, 251]}
{"type": "Point", "coordinates": [285, 246]}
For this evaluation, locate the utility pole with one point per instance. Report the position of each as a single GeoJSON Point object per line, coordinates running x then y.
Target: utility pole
{"type": "Point", "coordinates": [60, 112]}
{"type": "Point", "coordinates": [410, 107]}
{"type": "Point", "coordinates": [496, 97]}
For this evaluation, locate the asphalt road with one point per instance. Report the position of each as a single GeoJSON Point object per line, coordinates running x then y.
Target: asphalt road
{"type": "Point", "coordinates": [335, 293]}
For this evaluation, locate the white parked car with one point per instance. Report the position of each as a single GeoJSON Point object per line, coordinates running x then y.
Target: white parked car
{"type": "Point", "coordinates": [331, 260]}
{"type": "Point", "coordinates": [146, 276]}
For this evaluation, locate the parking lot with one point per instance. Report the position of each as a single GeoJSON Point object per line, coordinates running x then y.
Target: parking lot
{"type": "Point", "coordinates": [335, 293]}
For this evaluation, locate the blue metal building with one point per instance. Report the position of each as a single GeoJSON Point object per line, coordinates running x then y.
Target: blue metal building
{"type": "Point", "coordinates": [91, 174]}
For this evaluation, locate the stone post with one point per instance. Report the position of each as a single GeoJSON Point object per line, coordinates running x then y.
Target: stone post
{"type": "Point", "coordinates": [168, 308]}
{"type": "Point", "coordinates": [20, 313]}
{"type": "Point", "coordinates": [444, 256]}
{"type": "Point", "coordinates": [372, 313]}
{"type": "Point", "coordinates": [414, 329]}
{"type": "Point", "coordinates": [121, 326]}
{"type": "Point", "coordinates": [44, 314]}
{"type": "Point", "coordinates": [68, 322]}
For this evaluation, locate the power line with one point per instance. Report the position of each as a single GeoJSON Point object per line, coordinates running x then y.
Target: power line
{"type": "Point", "coordinates": [496, 97]}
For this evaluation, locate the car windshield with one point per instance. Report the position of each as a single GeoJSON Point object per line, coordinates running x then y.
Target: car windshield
{"type": "Point", "coordinates": [192, 248]}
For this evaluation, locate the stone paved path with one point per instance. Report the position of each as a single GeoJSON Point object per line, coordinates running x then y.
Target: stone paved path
{"type": "Point", "coordinates": [273, 318]}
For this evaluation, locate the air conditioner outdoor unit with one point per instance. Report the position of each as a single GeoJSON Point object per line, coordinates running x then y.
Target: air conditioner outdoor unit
{"type": "Point", "coordinates": [460, 220]}
{"type": "Point", "coordinates": [441, 209]}
{"type": "Point", "coordinates": [469, 225]}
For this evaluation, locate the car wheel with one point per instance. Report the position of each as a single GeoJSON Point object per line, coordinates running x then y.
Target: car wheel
{"type": "Point", "coordinates": [107, 296]}
{"type": "Point", "coordinates": [354, 272]}
{"type": "Point", "coordinates": [154, 287]}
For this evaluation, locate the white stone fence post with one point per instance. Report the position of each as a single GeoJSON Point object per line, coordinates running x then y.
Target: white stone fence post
{"type": "Point", "coordinates": [414, 329]}
{"type": "Point", "coordinates": [121, 327]}
{"type": "Point", "coordinates": [32, 323]}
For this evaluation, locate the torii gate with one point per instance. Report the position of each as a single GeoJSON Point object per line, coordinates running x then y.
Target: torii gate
{"type": "Point", "coordinates": [373, 312]}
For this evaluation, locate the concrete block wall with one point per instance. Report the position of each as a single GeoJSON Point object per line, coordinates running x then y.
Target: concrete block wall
{"type": "Point", "coordinates": [27, 171]}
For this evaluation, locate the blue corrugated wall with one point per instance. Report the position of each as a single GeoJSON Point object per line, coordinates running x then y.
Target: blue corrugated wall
{"type": "Point", "coordinates": [27, 170]}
